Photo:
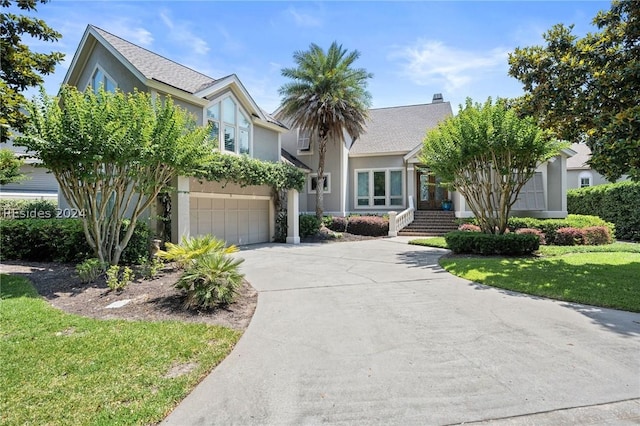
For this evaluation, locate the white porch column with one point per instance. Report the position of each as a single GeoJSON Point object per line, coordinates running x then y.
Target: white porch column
{"type": "Point", "coordinates": [393, 226]}
{"type": "Point", "coordinates": [563, 184]}
{"type": "Point", "coordinates": [293, 213]}
{"type": "Point", "coordinates": [411, 182]}
{"type": "Point", "coordinates": [180, 214]}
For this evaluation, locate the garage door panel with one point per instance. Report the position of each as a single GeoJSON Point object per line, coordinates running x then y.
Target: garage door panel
{"type": "Point", "coordinates": [237, 221]}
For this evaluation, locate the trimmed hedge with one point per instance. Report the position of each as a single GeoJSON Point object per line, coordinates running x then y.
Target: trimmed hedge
{"type": "Point", "coordinates": [60, 240]}
{"type": "Point", "coordinates": [511, 244]}
{"type": "Point", "coordinates": [550, 226]}
{"type": "Point", "coordinates": [336, 223]}
{"type": "Point", "coordinates": [618, 203]}
{"type": "Point", "coordinates": [532, 231]}
{"type": "Point", "coordinates": [372, 226]}
{"type": "Point", "coordinates": [28, 209]}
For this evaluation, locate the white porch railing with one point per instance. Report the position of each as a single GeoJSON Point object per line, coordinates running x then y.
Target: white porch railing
{"type": "Point", "coordinates": [397, 221]}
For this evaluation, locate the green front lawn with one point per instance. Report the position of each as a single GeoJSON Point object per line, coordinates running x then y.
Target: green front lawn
{"type": "Point", "coordinates": [57, 368]}
{"type": "Point", "coordinates": [604, 276]}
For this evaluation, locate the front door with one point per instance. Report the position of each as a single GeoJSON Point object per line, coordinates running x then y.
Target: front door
{"type": "Point", "coordinates": [430, 192]}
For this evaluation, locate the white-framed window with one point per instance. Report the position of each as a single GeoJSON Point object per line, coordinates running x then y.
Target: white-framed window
{"type": "Point", "coordinates": [304, 142]}
{"type": "Point", "coordinates": [531, 195]}
{"type": "Point", "coordinates": [585, 179]}
{"type": "Point", "coordinates": [379, 188]}
{"type": "Point", "coordinates": [101, 78]}
{"type": "Point", "coordinates": [230, 125]}
{"type": "Point", "coordinates": [312, 183]}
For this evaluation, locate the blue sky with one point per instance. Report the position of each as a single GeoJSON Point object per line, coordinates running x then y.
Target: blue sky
{"type": "Point", "coordinates": [414, 49]}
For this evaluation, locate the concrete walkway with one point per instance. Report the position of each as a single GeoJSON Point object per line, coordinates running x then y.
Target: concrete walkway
{"type": "Point", "coordinates": [375, 332]}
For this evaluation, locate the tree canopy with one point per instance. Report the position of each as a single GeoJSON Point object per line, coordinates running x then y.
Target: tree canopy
{"type": "Point", "coordinates": [487, 153]}
{"type": "Point", "coordinates": [20, 67]}
{"type": "Point", "coordinates": [586, 89]}
{"type": "Point", "coordinates": [112, 153]}
{"type": "Point", "coordinates": [326, 97]}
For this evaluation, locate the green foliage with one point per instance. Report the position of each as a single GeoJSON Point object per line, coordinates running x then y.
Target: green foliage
{"type": "Point", "coordinates": [212, 279]}
{"type": "Point", "coordinates": [487, 153]}
{"type": "Point", "coordinates": [615, 202]}
{"type": "Point", "coordinates": [326, 97]}
{"type": "Point", "coordinates": [118, 280]}
{"type": "Point", "coordinates": [374, 226]}
{"type": "Point", "coordinates": [60, 240]}
{"type": "Point", "coordinates": [550, 226]}
{"type": "Point", "coordinates": [90, 270]}
{"type": "Point", "coordinates": [511, 244]}
{"type": "Point", "coordinates": [20, 67]}
{"type": "Point", "coordinates": [10, 167]}
{"type": "Point", "coordinates": [75, 370]}
{"type": "Point", "coordinates": [587, 88]}
{"type": "Point", "coordinates": [150, 268]}
{"type": "Point", "coordinates": [112, 154]}
{"type": "Point", "coordinates": [438, 242]}
{"type": "Point", "coordinates": [192, 248]}
{"type": "Point", "coordinates": [28, 209]}
{"type": "Point", "coordinates": [309, 225]}
{"type": "Point", "coordinates": [245, 170]}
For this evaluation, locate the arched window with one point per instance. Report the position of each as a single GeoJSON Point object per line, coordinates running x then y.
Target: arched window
{"type": "Point", "coordinates": [585, 179]}
{"type": "Point", "coordinates": [230, 126]}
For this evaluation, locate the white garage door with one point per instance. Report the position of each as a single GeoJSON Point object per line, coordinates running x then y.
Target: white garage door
{"type": "Point", "coordinates": [236, 221]}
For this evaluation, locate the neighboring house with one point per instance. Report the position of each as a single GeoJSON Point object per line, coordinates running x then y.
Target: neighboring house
{"type": "Point", "coordinates": [38, 183]}
{"type": "Point", "coordinates": [579, 173]}
{"type": "Point", "coordinates": [239, 215]}
{"type": "Point", "coordinates": [381, 171]}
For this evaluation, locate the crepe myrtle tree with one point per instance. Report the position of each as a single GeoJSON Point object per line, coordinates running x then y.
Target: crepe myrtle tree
{"type": "Point", "coordinates": [112, 153]}
{"type": "Point", "coordinates": [487, 153]}
{"type": "Point", "coordinates": [326, 97]}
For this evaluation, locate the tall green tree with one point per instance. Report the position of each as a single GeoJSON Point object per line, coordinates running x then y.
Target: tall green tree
{"type": "Point", "coordinates": [20, 67]}
{"type": "Point", "coordinates": [326, 97]}
{"type": "Point", "coordinates": [112, 153]}
{"type": "Point", "coordinates": [586, 89]}
{"type": "Point", "coordinates": [487, 153]}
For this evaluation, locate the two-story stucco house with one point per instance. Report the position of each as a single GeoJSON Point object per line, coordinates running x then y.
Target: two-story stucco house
{"type": "Point", "coordinates": [239, 215]}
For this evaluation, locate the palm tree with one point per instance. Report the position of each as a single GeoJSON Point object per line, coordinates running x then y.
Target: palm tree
{"type": "Point", "coordinates": [325, 97]}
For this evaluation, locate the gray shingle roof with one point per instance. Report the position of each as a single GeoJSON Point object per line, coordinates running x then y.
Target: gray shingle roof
{"type": "Point", "coordinates": [399, 129]}
{"type": "Point", "coordinates": [156, 67]}
{"type": "Point", "coordinates": [579, 161]}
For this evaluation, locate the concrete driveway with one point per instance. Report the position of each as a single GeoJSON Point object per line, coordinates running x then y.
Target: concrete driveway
{"type": "Point", "coordinates": [375, 332]}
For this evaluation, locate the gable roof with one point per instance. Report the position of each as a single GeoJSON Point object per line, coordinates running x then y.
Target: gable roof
{"type": "Point", "coordinates": [399, 129]}
{"type": "Point", "coordinates": [579, 161]}
{"type": "Point", "coordinates": [157, 67]}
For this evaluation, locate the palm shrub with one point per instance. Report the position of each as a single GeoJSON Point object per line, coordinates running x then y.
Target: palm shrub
{"type": "Point", "coordinates": [211, 276]}
{"type": "Point", "coordinates": [211, 279]}
{"type": "Point", "coordinates": [190, 249]}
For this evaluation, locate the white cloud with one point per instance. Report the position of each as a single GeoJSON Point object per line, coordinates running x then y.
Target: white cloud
{"type": "Point", "coordinates": [180, 32]}
{"type": "Point", "coordinates": [430, 62]}
{"type": "Point", "coordinates": [305, 20]}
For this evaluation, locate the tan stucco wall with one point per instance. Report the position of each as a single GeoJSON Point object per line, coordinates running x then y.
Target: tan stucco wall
{"type": "Point", "coordinates": [265, 144]}
{"type": "Point", "coordinates": [124, 78]}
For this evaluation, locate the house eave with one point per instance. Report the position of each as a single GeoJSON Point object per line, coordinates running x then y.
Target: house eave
{"type": "Point", "coordinates": [376, 154]}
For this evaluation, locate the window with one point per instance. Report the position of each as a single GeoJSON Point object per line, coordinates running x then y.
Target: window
{"type": "Point", "coordinates": [379, 188]}
{"type": "Point", "coordinates": [585, 179]}
{"type": "Point", "coordinates": [304, 142]}
{"type": "Point", "coordinates": [230, 125]}
{"type": "Point", "coordinates": [100, 78]}
{"type": "Point", "coordinates": [313, 183]}
{"type": "Point", "coordinates": [531, 195]}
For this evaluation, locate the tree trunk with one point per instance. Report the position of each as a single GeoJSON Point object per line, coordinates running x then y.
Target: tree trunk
{"type": "Point", "coordinates": [322, 150]}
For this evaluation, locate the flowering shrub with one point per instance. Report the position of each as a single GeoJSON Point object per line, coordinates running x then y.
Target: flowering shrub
{"type": "Point", "coordinates": [597, 235]}
{"type": "Point", "coordinates": [569, 237]}
{"type": "Point", "coordinates": [532, 231]}
{"type": "Point", "coordinates": [469, 227]}
{"type": "Point", "coordinates": [374, 226]}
